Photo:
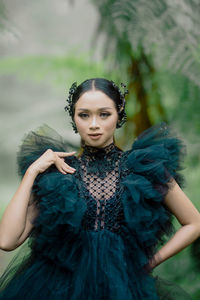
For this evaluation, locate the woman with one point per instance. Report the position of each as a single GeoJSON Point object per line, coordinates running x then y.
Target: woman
{"type": "Point", "coordinates": [95, 220]}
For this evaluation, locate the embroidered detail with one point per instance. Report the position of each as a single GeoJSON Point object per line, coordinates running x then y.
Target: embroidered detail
{"type": "Point", "coordinates": [99, 176]}
{"type": "Point", "coordinates": [100, 161]}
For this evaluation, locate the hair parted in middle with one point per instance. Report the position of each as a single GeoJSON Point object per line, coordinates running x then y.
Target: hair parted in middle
{"type": "Point", "coordinates": [106, 86]}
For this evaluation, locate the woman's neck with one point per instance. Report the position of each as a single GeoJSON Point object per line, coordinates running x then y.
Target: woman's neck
{"type": "Point", "coordinates": [97, 152]}
{"type": "Point", "coordinates": [106, 148]}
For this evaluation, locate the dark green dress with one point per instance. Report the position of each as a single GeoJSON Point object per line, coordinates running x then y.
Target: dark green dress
{"type": "Point", "coordinates": [97, 228]}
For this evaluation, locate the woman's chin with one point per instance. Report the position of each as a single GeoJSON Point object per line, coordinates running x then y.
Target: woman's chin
{"type": "Point", "coordinates": [95, 143]}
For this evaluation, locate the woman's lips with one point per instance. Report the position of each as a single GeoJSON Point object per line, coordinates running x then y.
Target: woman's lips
{"type": "Point", "coordinates": [95, 136]}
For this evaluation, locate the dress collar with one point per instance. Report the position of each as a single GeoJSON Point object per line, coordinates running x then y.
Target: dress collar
{"type": "Point", "coordinates": [91, 151]}
{"type": "Point", "coordinates": [100, 161]}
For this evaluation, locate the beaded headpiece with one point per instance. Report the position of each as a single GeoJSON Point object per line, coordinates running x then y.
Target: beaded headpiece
{"type": "Point", "coordinates": [121, 106]}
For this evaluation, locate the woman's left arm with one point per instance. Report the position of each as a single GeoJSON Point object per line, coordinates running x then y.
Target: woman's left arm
{"type": "Point", "coordinates": [188, 216]}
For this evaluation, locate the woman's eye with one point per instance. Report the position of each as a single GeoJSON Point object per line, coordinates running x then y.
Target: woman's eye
{"type": "Point", "coordinates": [105, 114]}
{"type": "Point", "coordinates": [83, 115]}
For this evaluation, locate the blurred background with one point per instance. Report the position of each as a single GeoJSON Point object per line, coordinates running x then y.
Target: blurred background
{"type": "Point", "coordinates": [152, 46]}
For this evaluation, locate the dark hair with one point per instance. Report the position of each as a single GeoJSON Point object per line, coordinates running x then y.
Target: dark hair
{"type": "Point", "coordinates": [101, 84]}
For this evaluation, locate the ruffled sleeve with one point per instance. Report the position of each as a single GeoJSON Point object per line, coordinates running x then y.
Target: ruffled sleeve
{"type": "Point", "coordinates": [155, 158]}
{"type": "Point", "coordinates": [159, 153]}
{"type": "Point", "coordinates": [56, 196]}
{"type": "Point", "coordinates": [36, 142]}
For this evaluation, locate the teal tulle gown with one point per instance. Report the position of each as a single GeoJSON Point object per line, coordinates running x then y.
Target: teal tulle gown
{"type": "Point", "coordinates": [97, 228]}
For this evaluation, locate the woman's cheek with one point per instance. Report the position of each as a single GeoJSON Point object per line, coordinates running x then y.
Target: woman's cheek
{"type": "Point", "coordinates": [112, 124]}
{"type": "Point", "coordinates": [80, 125]}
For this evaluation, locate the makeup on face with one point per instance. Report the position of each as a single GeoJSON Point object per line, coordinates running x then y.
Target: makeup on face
{"type": "Point", "coordinates": [96, 118]}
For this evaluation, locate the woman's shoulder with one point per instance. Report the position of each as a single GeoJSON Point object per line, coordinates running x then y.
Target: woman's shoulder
{"type": "Point", "coordinates": [36, 142]}
{"type": "Point", "coordinates": [161, 133]}
{"type": "Point", "coordinates": [158, 153]}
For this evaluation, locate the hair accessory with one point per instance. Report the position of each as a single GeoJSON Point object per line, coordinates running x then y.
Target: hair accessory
{"type": "Point", "coordinates": [69, 99]}
{"type": "Point", "coordinates": [122, 94]}
{"type": "Point", "coordinates": [121, 107]}
{"type": "Point", "coordinates": [69, 107]}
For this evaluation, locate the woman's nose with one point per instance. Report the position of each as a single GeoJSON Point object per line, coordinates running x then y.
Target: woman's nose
{"type": "Point", "coordinates": [94, 123]}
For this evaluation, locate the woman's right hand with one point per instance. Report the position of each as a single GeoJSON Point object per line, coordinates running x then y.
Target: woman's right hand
{"type": "Point", "coordinates": [50, 157]}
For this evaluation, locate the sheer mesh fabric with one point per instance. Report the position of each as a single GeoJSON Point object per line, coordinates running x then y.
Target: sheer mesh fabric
{"type": "Point", "coordinates": [100, 186]}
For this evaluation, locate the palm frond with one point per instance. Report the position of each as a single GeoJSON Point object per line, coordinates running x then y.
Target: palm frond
{"type": "Point", "coordinates": [167, 29]}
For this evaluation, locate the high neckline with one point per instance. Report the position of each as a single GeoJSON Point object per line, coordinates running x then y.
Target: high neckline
{"type": "Point", "coordinates": [100, 161]}
{"type": "Point", "coordinates": [93, 151]}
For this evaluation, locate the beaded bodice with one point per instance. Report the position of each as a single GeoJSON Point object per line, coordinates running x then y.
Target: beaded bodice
{"type": "Point", "coordinates": [99, 176]}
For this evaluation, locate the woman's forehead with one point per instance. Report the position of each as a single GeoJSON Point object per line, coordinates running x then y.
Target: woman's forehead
{"type": "Point", "coordinates": [94, 100]}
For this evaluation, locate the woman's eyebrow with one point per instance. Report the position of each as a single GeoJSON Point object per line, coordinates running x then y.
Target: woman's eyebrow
{"type": "Point", "coordinates": [85, 109]}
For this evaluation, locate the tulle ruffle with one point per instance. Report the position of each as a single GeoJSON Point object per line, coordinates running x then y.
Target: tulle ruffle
{"type": "Point", "coordinates": [100, 273]}
{"type": "Point", "coordinates": [36, 142]}
{"type": "Point", "coordinates": [57, 228]}
{"type": "Point", "coordinates": [155, 159]}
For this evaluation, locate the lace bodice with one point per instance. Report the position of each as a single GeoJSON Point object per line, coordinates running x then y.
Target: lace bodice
{"type": "Point", "coordinates": [99, 174]}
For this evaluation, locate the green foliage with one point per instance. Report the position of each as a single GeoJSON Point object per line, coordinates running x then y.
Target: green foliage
{"type": "Point", "coordinates": [180, 99]}
{"type": "Point", "coordinates": [166, 31]}
{"type": "Point", "coordinates": [53, 70]}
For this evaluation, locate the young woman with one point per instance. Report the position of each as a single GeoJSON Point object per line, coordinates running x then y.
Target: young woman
{"type": "Point", "coordinates": [95, 220]}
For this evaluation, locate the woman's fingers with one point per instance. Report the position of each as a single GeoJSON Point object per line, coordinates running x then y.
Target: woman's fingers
{"type": "Point", "coordinates": [68, 168]}
{"type": "Point", "coordinates": [64, 154]}
{"type": "Point", "coordinates": [60, 162]}
{"type": "Point", "coordinates": [50, 157]}
{"type": "Point", "coordinates": [65, 170]}
{"type": "Point", "coordinates": [61, 170]}
{"type": "Point", "coordinates": [61, 165]}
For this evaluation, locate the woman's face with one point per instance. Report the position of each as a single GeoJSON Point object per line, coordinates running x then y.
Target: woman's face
{"type": "Point", "coordinates": [95, 113]}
